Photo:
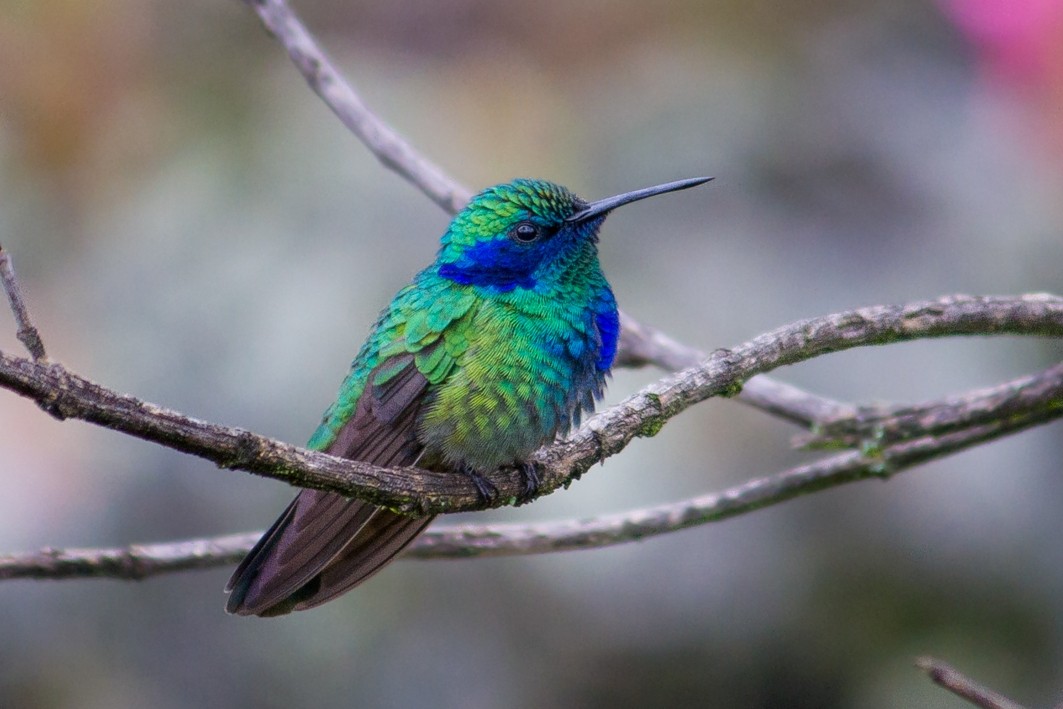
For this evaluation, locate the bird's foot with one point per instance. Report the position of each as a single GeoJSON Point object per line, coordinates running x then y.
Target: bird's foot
{"type": "Point", "coordinates": [529, 475]}
{"type": "Point", "coordinates": [484, 487]}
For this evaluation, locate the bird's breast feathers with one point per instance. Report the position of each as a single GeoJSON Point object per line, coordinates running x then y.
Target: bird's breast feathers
{"type": "Point", "coordinates": [524, 367]}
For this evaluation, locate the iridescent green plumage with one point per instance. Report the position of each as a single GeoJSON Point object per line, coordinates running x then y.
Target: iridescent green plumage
{"type": "Point", "coordinates": [492, 351]}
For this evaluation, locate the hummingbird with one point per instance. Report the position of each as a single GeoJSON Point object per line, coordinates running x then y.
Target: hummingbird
{"type": "Point", "coordinates": [495, 349]}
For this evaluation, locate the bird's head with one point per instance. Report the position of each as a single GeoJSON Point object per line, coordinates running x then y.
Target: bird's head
{"type": "Point", "coordinates": [515, 234]}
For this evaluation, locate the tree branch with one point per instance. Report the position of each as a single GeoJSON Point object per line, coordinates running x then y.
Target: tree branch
{"type": "Point", "coordinates": [642, 344]}
{"type": "Point", "coordinates": [27, 333]}
{"type": "Point", "coordinates": [465, 541]}
{"type": "Point", "coordinates": [131, 563]}
{"type": "Point", "coordinates": [419, 492]}
{"type": "Point", "coordinates": [1025, 396]}
{"type": "Point", "coordinates": [383, 142]}
{"type": "Point", "coordinates": [962, 686]}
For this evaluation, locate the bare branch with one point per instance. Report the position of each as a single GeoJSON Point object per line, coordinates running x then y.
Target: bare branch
{"type": "Point", "coordinates": [27, 333]}
{"type": "Point", "coordinates": [465, 541]}
{"type": "Point", "coordinates": [132, 563]}
{"type": "Point", "coordinates": [642, 344]}
{"type": "Point", "coordinates": [383, 142]}
{"type": "Point", "coordinates": [1025, 396]}
{"type": "Point", "coordinates": [962, 686]}
{"type": "Point", "coordinates": [418, 492]}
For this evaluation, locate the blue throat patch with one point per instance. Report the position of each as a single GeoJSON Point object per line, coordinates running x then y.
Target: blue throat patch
{"type": "Point", "coordinates": [492, 263]}
{"type": "Point", "coordinates": [491, 276]}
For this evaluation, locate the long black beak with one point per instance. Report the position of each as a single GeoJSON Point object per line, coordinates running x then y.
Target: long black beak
{"type": "Point", "coordinates": [604, 206]}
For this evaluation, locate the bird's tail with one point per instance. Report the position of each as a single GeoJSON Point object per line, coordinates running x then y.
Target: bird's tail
{"type": "Point", "coordinates": [321, 546]}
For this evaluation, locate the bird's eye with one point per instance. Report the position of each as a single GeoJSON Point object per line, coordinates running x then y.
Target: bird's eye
{"type": "Point", "coordinates": [526, 232]}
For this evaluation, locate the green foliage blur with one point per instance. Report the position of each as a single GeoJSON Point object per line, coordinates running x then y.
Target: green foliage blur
{"type": "Point", "coordinates": [193, 226]}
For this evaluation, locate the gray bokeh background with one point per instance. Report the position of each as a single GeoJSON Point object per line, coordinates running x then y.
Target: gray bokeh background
{"type": "Point", "coordinates": [194, 227]}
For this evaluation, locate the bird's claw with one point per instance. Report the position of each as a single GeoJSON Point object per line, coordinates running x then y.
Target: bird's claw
{"type": "Point", "coordinates": [529, 475]}
{"type": "Point", "coordinates": [485, 489]}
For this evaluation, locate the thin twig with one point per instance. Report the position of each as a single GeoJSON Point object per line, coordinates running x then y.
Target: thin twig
{"type": "Point", "coordinates": [642, 344]}
{"type": "Point", "coordinates": [131, 563]}
{"type": "Point", "coordinates": [886, 424]}
{"type": "Point", "coordinates": [465, 541]}
{"type": "Point", "coordinates": [963, 686]}
{"type": "Point", "coordinates": [419, 492]}
{"type": "Point", "coordinates": [383, 142]}
{"type": "Point", "coordinates": [27, 333]}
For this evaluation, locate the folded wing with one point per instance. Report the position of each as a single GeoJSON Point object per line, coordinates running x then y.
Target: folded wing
{"type": "Point", "coordinates": [325, 544]}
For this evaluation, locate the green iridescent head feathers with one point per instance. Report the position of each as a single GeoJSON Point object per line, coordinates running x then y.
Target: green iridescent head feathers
{"type": "Point", "coordinates": [492, 212]}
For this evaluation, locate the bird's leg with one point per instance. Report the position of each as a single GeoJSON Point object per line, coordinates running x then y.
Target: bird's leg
{"type": "Point", "coordinates": [529, 475]}
{"type": "Point", "coordinates": [484, 487]}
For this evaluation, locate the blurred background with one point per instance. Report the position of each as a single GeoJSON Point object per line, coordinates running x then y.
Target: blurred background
{"type": "Point", "coordinates": [193, 226]}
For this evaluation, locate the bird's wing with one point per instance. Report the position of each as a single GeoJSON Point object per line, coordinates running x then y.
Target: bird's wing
{"type": "Point", "coordinates": [324, 543]}
{"type": "Point", "coordinates": [318, 527]}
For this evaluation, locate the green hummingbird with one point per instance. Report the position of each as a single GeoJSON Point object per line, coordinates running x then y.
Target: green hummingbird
{"type": "Point", "coordinates": [500, 345]}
